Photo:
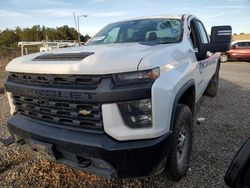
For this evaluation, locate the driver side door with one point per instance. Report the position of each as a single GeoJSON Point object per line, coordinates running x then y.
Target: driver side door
{"type": "Point", "coordinates": [206, 61]}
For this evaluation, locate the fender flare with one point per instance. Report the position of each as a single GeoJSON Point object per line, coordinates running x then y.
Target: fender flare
{"type": "Point", "coordinates": [181, 91]}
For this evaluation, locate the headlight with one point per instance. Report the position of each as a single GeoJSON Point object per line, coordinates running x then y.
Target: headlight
{"type": "Point", "coordinates": [137, 114]}
{"type": "Point", "coordinates": [137, 76]}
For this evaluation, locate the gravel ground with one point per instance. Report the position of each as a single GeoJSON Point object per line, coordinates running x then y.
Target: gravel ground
{"type": "Point", "coordinates": [226, 127]}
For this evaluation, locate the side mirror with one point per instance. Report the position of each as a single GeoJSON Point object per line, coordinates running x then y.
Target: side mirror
{"type": "Point", "coordinates": [220, 40]}
{"type": "Point", "coordinates": [238, 173]}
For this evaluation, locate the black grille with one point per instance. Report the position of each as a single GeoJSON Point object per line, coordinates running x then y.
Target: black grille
{"type": "Point", "coordinates": [57, 80]}
{"type": "Point", "coordinates": [60, 112]}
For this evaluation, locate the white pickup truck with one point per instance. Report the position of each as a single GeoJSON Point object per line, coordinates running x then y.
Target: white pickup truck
{"type": "Point", "coordinates": [123, 104]}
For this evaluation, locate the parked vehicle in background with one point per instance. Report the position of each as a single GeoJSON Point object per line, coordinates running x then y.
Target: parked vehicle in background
{"type": "Point", "coordinates": [239, 50]}
{"type": "Point", "coordinates": [122, 105]}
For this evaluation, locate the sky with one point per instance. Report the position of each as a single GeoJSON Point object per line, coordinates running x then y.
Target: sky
{"type": "Point", "coordinates": [55, 13]}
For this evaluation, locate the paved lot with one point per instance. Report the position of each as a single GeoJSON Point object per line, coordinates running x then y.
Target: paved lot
{"type": "Point", "coordinates": [226, 127]}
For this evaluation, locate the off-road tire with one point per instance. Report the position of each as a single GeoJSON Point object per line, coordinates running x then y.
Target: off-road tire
{"type": "Point", "coordinates": [212, 87]}
{"type": "Point", "coordinates": [176, 168]}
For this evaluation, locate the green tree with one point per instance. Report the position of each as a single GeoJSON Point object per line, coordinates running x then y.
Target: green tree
{"type": "Point", "coordinates": [8, 38]}
{"type": "Point", "coordinates": [84, 38]}
{"type": "Point", "coordinates": [67, 33]}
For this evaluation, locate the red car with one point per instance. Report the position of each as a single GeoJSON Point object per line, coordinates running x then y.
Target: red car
{"type": "Point", "coordinates": [239, 50]}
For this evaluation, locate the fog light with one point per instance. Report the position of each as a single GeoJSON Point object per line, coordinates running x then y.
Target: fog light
{"type": "Point", "coordinates": [137, 114]}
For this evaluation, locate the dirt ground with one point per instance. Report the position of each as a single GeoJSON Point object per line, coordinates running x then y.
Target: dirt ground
{"type": "Point", "coordinates": [226, 127]}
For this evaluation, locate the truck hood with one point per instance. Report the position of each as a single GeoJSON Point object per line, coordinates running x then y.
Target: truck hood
{"type": "Point", "coordinates": [104, 59]}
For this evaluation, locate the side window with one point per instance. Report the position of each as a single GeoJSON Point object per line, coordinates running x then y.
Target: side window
{"type": "Point", "coordinates": [198, 37]}
{"type": "Point", "coordinates": [243, 44]}
{"type": "Point", "coordinates": [239, 45]}
{"type": "Point", "coordinates": [193, 35]}
{"type": "Point", "coordinates": [112, 35]}
{"type": "Point", "coordinates": [202, 33]}
{"type": "Point", "coordinates": [236, 45]}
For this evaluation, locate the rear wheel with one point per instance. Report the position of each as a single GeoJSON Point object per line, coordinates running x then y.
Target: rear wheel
{"type": "Point", "coordinates": [179, 157]}
{"type": "Point", "coordinates": [224, 58]}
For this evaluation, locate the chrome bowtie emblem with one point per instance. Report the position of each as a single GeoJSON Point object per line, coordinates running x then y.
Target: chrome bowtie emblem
{"type": "Point", "coordinates": [85, 112]}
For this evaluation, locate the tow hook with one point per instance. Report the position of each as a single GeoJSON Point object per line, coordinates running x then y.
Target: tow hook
{"type": "Point", "coordinates": [82, 162]}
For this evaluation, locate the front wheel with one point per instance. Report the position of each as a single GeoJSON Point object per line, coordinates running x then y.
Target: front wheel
{"type": "Point", "coordinates": [179, 157]}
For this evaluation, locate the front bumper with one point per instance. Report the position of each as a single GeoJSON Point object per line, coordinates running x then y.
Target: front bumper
{"type": "Point", "coordinates": [107, 157]}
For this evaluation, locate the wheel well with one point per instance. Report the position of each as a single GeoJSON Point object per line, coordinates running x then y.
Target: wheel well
{"type": "Point", "coordinates": [188, 98]}
{"type": "Point", "coordinates": [228, 54]}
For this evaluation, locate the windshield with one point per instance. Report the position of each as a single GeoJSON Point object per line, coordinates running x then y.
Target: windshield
{"type": "Point", "coordinates": [156, 31]}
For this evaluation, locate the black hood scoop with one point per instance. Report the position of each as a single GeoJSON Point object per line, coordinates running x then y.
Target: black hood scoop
{"type": "Point", "coordinates": [63, 56]}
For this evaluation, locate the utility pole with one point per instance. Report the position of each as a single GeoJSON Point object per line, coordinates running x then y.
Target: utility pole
{"type": "Point", "coordinates": [74, 15]}
{"type": "Point", "coordinates": [78, 28]}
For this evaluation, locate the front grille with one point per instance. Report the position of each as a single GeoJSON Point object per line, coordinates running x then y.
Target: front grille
{"type": "Point", "coordinates": [76, 81]}
{"type": "Point", "coordinates": [60, 112]}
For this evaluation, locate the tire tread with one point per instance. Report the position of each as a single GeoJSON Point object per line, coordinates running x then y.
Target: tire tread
{"type": "Point", "coordinates": [183, 116]}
